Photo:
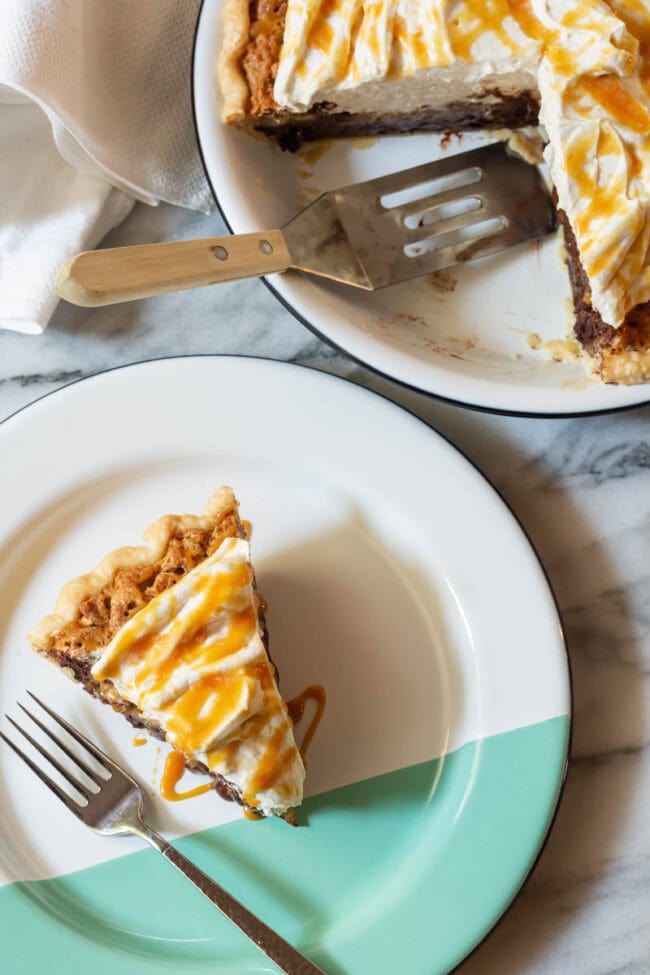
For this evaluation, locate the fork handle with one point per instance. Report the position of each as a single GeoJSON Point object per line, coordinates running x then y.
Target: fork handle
{"type": "Point", "coordinates": [285, 956]}
{"type": "Point", "coordinates": [114, 274]}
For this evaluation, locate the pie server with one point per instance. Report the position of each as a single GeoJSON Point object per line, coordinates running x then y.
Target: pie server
{"type": "Point", "coordinates": [369, 235]}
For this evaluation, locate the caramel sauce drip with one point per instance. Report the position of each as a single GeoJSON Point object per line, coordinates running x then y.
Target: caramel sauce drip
{"type": "Point", "coordinates": [251, 814]}
{"type": "Point", "coordinates": [608, 92]}
{"type": "Point", "coordinates": [311, 152]}
{"type": "Point", "coordinates": [475, 18]}
{"type": "Point", "coordinates": [205, 705]}
{"type": "Point", "coordinates": [188, 650]}
{"type": "Point", "coordinates": [276, 756]}
{"type": "Point", "coordinates": [279, 752]}
{"type": "Point", "coordinates": [138, 651]}
{"type": "Point", "coordinates": [138, 742]}
{"type": "Point", "coordinates": [605, 201]}
{"type": "Point", "coordinates": [271, 765]}
{"type": "Point", "coordinates": [172, 774]}
{"type": "Point", "coordinates": [413, 43]}
{"type": "Point", "coordinates": [296, 709]}
{"type": "Point", "coordinates": [321, 35]}
{"type": "Point", "coordinates": [528, 23]}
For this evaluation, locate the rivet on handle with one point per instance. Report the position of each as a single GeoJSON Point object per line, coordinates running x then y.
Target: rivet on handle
{"type": "Point", "coordinates": [266, 247]}
{"type": "Point", "coordinates": [220, 253]}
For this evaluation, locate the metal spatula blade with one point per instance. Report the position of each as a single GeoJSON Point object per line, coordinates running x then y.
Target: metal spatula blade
{"type": "Point", "coordinates": [369, 235]}
{"type": "Point", "coordinates": [387, 230]}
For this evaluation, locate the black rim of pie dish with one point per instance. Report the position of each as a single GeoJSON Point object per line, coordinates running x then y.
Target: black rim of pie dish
{"type": "Point", "coordinates": [476, 407]}
{"type": "Point", "coordinates": [565, 771]}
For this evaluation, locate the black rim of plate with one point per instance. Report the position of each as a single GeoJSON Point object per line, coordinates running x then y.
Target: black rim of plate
{"type": "Point", "coordinates": [477, 408]}
{"type": "Point", "coordinates": [369, 392]}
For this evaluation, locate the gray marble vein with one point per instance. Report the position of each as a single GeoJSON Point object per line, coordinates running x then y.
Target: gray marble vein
{"type": "Point", "coordinates": [582, 490]}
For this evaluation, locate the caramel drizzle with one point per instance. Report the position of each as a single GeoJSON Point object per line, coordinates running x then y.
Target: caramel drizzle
{"type": "Point", "coordinates": [609, 93]}
{"type": "Point", "coordinates": [296, 709]}
{"type": "Point", "coordinates": [172, 774]}
{"type": "Point", "coordinates": [205, 705]}
{"type": "Point", "coordinates": [277, 755]}
{"type": "Point", "coordinates": [273, 762]}
{"type": "Point", "coordinates": [435, 36]}
{"type": "Point", "coordinates": [252, 815]}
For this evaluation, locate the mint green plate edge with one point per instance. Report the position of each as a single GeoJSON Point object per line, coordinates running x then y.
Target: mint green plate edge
{"type": "Point", "coordinates": [455, 839]}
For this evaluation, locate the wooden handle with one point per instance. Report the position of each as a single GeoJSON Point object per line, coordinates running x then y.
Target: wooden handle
{"type": "Point", "coordinates": [105, 277]}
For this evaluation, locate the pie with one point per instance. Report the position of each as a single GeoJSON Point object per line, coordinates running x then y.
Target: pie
{"type": "Point", "coordinates": [172, 635]}
{"type": "Point", "coordinates": [306, 69]}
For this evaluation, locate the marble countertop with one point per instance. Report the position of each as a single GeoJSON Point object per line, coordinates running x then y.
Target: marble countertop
{"type": "Point", "coordinates": [582, 489]}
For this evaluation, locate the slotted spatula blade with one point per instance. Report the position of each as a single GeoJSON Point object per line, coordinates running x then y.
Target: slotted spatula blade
{"type": "Point", "coordinates": [420, 220]}
{"type": "Point", "coordinates": [369, 235]}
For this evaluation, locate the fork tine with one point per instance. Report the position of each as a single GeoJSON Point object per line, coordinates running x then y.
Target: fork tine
{"type": "Point", "coordinates": [67, 800]}
{"type": "Point", "coordinates": [64, 748]}
{"type": "Point", "coordinates": [96, 752]}
{"type": "Point", "coordinates": [81, 789]}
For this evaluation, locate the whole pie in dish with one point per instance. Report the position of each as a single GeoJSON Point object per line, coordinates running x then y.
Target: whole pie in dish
{"type": "Point", "coordinates": [306, 69]}
{"type": "Point", "coordinates": [172, 635]}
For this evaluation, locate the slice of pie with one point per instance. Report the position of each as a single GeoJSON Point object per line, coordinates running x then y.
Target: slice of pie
{"type": "Point", "coordinates": [172, 635]}
{"type": "Point", "coordinates": [305, 69]}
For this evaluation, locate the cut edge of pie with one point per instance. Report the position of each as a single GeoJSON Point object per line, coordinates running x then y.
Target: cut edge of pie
{"type": "Point", "coordinates": [620, 356]}
{"type": "Point", "coordinates": [247, 63]}
{"type": "Point", "coordinates": [95, 610]}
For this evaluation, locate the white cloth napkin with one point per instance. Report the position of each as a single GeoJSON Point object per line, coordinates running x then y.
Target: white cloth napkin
{"type": "Point", "coordinates": [95, 111]}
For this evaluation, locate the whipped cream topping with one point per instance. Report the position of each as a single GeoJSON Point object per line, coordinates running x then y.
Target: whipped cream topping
{"type": "Point", "coordinates": [193, 660]}
{"type": "Point", "coordinates": [598, 122]}
{"type": "Point", "coordinates": [590, 60]}
{"type": "Point", "coordinates": [333, 46]}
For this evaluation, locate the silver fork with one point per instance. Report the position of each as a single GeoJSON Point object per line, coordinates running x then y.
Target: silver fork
{"type": "Point", "coordinates": [117, 807]}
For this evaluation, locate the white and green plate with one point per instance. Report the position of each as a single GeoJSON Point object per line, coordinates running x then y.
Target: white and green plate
{"type": "Point", "coordinates": [396, 577]}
